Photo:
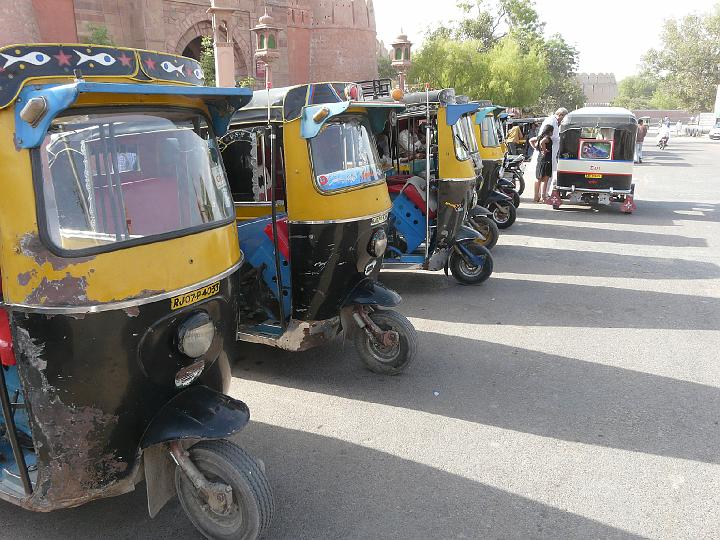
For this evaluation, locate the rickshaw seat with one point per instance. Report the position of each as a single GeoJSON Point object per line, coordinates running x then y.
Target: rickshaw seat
{"type": "Point", "coordinates": [395, 188]}
{"type": "Point", "coordinates": [283, 236]}
{"type": "Point", "coordinates": [413, 194]}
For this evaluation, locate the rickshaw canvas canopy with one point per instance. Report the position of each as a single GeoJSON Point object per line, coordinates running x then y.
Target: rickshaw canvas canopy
{"type": "Point", "coordinates": [221, 102]}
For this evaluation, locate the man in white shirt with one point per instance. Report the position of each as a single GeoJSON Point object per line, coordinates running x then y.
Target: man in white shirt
{"type": "Point", "coordinates": [554, 120]}
{"type": "Point", "coordinates": [410, 142]}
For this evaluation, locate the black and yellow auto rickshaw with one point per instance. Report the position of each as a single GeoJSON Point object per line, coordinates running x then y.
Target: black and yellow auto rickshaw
{"type": "Point", "coordinates": [433, 189]}
{"type": "Point", "coordinates": [119, 260]}
{"type": "Point", "coordinates": [312, 207]}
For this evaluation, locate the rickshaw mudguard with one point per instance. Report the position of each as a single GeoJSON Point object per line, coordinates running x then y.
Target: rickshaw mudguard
{"type": "Point", "coordinates": [466, 233]}
{"type": "Point", "coordinates": [197, 413]}
{"type": "Point", "coordinates": [497, 196]}
{"type": "Point", "coordinates": [479, 211]}
{"type": "Point", "coordinates": [369, 292]}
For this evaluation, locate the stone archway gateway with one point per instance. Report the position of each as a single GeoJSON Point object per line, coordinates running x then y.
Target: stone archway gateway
{"type": "Point", "coordinates": [187, 40]}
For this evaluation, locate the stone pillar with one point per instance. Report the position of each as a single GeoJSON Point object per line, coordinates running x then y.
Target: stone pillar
{"type": "Point", "coordinates": [221, 14]}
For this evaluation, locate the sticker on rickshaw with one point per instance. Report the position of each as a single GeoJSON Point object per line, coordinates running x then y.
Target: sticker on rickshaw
{"type": "Point", "coordinates": [593, 176]}
{"type": "Point", "coordinates": [193, 297]}
{"type": "Point", "coordinates": [354, 176]}
{"type": "Point", "coordinates": [377, 220]}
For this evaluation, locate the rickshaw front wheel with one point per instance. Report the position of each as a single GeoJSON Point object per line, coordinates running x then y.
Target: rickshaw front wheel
{"type": "Point", "coordinates": [249, 513]}
{"type": "Point", "coordinates": [488, 229]}
{"type": "Point", "coordinates": [392, 359]}
{"type": "Point", "coordinates": [504, 214]}
{"type": "Point", "coordinates": [467, 273]}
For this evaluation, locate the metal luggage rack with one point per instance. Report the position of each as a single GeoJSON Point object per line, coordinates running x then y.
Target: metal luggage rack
{"type": "Point", "coordinates": [375, 88]}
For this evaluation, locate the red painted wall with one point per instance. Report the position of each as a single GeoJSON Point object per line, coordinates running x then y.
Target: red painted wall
{"type": "Point", "coordinates": [56, 21]}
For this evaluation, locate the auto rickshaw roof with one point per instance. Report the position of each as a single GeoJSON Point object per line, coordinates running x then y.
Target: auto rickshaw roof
{"type": "Point", "coordinates": [21, 65]}
{"type": "Point", "coordinates": [490, 110]}
{"type": "Point", "coordinates": [221, 103]}
{"type": "Point", "coordinates": [602, 116]}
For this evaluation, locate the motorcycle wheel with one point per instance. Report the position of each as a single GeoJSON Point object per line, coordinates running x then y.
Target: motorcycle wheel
{"type": "Point", "coordinates": [519, 180]}
{"type": "Point", "coordinates": [504, 214]}
{"type": "Point", "coordinates": [488, 229]}
{"type": "Point", "coordinates": [388, 360]}
{"type": "Point", "coordinates": [466, 273]}
{"type": "Point", "coordinates": [252, 500]}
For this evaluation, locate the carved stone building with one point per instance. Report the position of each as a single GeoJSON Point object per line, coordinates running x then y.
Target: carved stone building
{"type": "Point", "coordinates": [599, 88]}
{"type": "Point", "coordinates": [320, 40]}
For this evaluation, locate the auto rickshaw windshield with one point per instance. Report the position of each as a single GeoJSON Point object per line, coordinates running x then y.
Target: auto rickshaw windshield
{"type": "Point", "coordinates": [464, 139]}
{"type": "Point", "coordinates": [489, 132]}
{"type": "Point", "coordinates": [344, 154]}
{"type": "Point", "coordinates": [109, 179]}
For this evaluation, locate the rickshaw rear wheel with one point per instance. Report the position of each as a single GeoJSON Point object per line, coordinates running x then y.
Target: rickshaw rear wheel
{"type": "Point", "coordinates": [252, 502]}
{"type": "Point", "coordinates": [388, 360]}
{"type": "Point", "coordinates": [468, 274]}
{"type": "Point", "coordinates": [488, 228]}
{"type": "Point", "coordinates": [504, 214]}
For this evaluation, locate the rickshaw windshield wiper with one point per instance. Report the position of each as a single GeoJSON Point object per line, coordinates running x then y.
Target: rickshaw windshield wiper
{"type": "Point", "coordinates": [464, 144]}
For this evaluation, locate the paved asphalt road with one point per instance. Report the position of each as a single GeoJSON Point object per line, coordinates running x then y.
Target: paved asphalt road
{"type": "Point", "coordinates": [576, 394]}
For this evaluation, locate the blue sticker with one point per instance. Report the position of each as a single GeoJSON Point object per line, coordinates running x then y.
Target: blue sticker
{"type": "Point", "coordinates": [348, 178]}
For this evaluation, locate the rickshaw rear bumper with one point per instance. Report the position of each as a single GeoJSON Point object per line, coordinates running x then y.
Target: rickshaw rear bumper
{"type": "Point", "coordinates": [197, 413]}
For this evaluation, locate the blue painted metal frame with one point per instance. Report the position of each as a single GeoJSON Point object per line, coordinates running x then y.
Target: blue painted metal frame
{"type": "Point", "coordinates": [495, 110]}
{"type": "Point", "coordinates": [457, 110]}
{"type": "Point", "coordinates": [378, 113]}
{"type": "Point", "coordinates": [222, 103]}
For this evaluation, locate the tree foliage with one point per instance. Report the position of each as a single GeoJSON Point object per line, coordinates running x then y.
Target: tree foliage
{"type": "Point", "coordinates": [688, 64]}
{"type": "Point", "coordinates": [207, 60]}
{"type": "Point", "coordinates": [498, 52]}
{"type": "Point", "coordinates": [385, 69]}
{"type": "Point", "coordinates": [644, 91]}
{"type": "Point", "coordinates": [99, 35]}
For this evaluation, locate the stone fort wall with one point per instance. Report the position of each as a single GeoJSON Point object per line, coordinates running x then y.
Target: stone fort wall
{"type": "Point", "coordinates": [319, 39]}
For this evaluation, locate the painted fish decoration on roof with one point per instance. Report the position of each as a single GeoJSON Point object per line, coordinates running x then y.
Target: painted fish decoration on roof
{"type": "Point", "coordinates": [104, 59]}
{"type": "Point", "coordinates": [199, 74]}
{"type": "Point", "coordinates": [169, 67]}
{"type": "Point", "coordinates": [35, 58]}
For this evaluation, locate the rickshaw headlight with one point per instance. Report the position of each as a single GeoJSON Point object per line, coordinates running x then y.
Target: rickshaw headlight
{"type": "Point", "coordinates": [378, 243]}
{"type": "Point", "coordinates": [195, 335]}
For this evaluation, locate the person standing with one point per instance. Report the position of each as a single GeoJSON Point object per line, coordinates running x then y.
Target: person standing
{"type": "Point", "coordinates": [543, 171]}
{"type": "Point", "coordinates": [513, 140]}
{"type": "Point", "coordinates": [642, 130]}
{"type": "Point", "coordinates": [554, 120]}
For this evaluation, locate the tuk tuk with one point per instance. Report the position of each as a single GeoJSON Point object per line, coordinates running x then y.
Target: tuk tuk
{"type": "Point", "coordinates": [497, 192]}
{"type": "Point", "coordinates": [432, 185]}
{"type": "Point", "coordinates": [119, 260]}
{"type": "Point", "coordinates": [312, 207]}
{"type": "Point", "coordinates": [595, 158]}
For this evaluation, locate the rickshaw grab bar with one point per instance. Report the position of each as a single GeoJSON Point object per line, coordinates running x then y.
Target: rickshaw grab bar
{"type": "Point", "coordinates": [595, 190]}
{"type": "Point", "coordinates": [222, 103]}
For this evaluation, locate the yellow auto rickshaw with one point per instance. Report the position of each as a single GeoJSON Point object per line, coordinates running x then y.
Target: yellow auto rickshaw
{"type": "Point", "coordinates": [119, 260]}
{"type": "Point", "coordinates": [312, 207]}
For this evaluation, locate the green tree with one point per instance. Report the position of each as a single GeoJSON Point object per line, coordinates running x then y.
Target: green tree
{"type": "Point", "coordinates": [688, 64]}
{"type": "Point", "coordinates": [385, 69]}
{"type": "Point", "coordinates": [562, 90]}
{"type": "Point", "coordinates": [207, 60]}
{"type": "Point", "coordinates": [99, 35]}
{"type": "Point", "coordinates": [246, 82]}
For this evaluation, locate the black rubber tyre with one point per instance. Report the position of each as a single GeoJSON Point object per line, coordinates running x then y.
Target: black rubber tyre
{"type": "Point", "coordinates": [519, 180]}
{"type": "Point", "coordinates": [253, 505]}
{"type": "Point", "coordinates": [504, 214]}
{"type": "Point", "coordinates": [516, 199]}
{"type": "Point", "coordinates": [383, 360]}
{"type": "Point", "coordinates": [488, 228]}
{"type": "Point", "coordinates": [471, 275]}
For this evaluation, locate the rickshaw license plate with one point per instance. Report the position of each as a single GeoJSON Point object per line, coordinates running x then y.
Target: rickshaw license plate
{"type": "Point", "coordinates": [593, 176]}
{"type": "Point", "coordinates": [193, 297]}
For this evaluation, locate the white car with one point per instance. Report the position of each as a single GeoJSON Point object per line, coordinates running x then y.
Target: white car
{"type": "Point", "coordinates": [715, 132]}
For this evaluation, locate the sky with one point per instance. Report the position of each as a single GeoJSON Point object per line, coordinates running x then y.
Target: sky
{"type": "Point", "coordinates": [611, 35]}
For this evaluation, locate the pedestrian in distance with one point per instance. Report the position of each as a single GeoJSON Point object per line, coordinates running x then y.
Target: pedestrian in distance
{"type": "Point", "coordinates": [513, 140]}
{"type": "Point", "coordinates": [543, 172]}
{"type": "Point", "coordinates": [642, 130]}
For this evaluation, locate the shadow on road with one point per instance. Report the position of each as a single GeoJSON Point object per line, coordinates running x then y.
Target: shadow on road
{"type": "Point", "coordinates": [595, 234]}
{"type": "Point", "coordinates": [328, 488]}
{"type": "Point", "coordinates": [537, 303]}
{"type": "Point", "coordinates": [564, 262]}
{"type": "Point", "coordinates": [655, 213]}
{"type": "Point", "coordinates": [515, 388]}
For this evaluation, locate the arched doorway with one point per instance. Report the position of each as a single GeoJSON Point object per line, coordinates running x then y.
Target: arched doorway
{"type": "Point", "coordinates": [191, 43]}
{"type": "Point", "coordinates": [194, 48]}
